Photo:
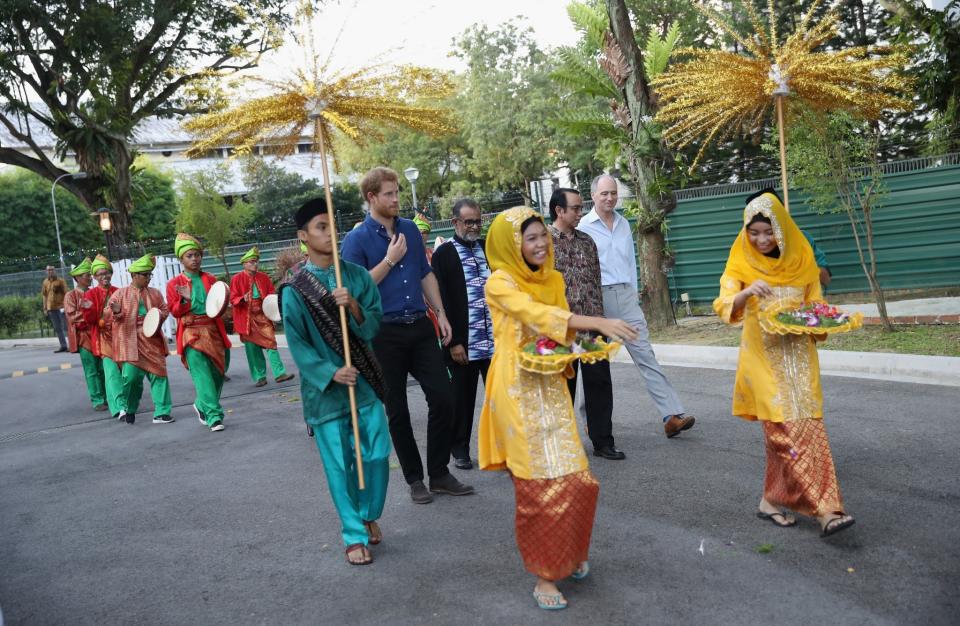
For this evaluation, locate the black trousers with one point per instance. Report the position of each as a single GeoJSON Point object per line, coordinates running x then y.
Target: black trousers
{"type": "Point", "coordinates": [598, 400]}
{"type": "Point", "coordinates": [465, 379]}
{"type": "Point", "coordinates": [412, 349]}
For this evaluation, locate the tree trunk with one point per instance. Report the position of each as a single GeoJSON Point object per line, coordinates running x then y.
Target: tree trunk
{"type": "Point", "coordinates": [655, 295]}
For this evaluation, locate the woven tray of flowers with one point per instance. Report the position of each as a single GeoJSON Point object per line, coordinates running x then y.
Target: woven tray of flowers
{"type": "Point", "coordinates": [546, 356]}
{"type": "Point", "coordinates": [818, 318]}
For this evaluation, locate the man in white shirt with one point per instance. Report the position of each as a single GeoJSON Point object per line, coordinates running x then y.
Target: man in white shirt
{"type": "Point", "coordinates": [618, 274]}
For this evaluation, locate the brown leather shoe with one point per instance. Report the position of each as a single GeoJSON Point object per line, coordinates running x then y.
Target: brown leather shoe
{"type": "Point", "coordinates": [676, 423]}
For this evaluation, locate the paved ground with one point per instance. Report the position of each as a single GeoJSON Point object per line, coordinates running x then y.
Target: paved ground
{"type": "Point", "coordinates": [902, 308]}
{"type": "Point", "coordinates": [113, 524]}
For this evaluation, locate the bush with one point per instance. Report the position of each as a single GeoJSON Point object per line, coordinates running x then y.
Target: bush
{"type": "Point", "coordinates": [18, 313]}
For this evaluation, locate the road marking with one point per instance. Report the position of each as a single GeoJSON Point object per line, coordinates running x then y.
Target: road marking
{"type": "Point", "coordinates": [66, 366]}
{"type": "Point", "coordinates": [17, 374]}
{"type": "Point", "coordinates": [43, 370]}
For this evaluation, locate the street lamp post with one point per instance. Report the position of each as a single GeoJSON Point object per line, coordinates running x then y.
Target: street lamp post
{"type": "Point", "coordinates": [412, 175]}
{"type": "Point", "coordinates": [106, 225]}
{"type": "Point", "coordinates": [56, 222]}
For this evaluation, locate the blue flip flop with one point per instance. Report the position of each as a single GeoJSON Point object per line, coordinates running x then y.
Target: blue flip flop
{"type": "Point", "coordinates": [550, 601]}
{"type": "Point", "coordinates": [580, 574]}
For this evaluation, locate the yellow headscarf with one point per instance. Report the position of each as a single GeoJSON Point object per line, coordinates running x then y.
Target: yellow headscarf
{"type": "Point", "coordinates": [796, 265]}
{"type": "Point", "coordinates": [503, 253]}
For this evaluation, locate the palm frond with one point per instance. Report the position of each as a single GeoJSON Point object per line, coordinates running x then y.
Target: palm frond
{"type": "Point", "coordinates": [589, 21]}
{"type": "Point", "coordinates": [582, 74]}
{"type": "Point", "coordinates": [588, 121]}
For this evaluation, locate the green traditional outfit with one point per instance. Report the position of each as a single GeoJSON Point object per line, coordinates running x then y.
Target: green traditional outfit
{"type": "Point", "coordinates": [201, 341]}
{"type": "Point", "coordinates": [99, 318]}
{"type": "Point", "coordinates": [312, 326]}
{"type": "Point", "coordinates": [257, 333]}
{"type": "Point", "coordinates": [80, 340]}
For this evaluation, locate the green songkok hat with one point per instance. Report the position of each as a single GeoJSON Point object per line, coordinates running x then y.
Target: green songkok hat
{"type": "Point", "coordinates": [83, 268]}
{"type": "Point", "coordinates": [143, 264]}
{"type": "Point", "coordinates": [303, 248]}
{"type": "Point", "coordinates": [185, 242]}
{"type": "Point", "coordinates": [251, 255]}
{"type": "Point", "coordinates": [100, 263]}
{"type": "Point", "coordinates": [423, 224]}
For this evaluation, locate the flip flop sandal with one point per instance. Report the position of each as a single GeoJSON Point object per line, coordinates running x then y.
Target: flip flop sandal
{"type": "Point", "coordinates": [836, 525]}
{"type": "Point", "coordinates": [771, 517]}
{"type": "Point", "coordinates": [355, 547]}
{"type": "Point", "coordinates": [581, 572]}
{"type": "Point", "coordinates": [374, 539]}
{"type": "Point", "coordinates": [550, 601]}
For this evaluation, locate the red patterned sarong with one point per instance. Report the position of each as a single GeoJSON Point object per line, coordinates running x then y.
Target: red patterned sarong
{"type": "Point", "coordinates": [555, 521]}
{"type": "Point", "coordinates": [261, 328]}
{"type": "Point", "coordinates": [800, 473]}
{"type": "Point", "coordinates": [201, 333]}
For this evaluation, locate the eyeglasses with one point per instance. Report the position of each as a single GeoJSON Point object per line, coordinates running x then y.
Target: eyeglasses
{"type": "Point", "coordinates": [471, 223]}
{"type": "Point", "coordinates": [144, 274]}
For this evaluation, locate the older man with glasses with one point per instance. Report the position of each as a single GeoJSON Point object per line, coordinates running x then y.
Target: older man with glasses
{"type": "Point", "coordinates": [460, 266]}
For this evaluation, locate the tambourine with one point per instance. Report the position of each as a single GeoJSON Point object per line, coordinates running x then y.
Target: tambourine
{"type": "Point", "coordinates": [271, 307]}
{"type": "Point", "coordinates": [217, 299]}
{"type": "Point", "coordinates": [151, 322]}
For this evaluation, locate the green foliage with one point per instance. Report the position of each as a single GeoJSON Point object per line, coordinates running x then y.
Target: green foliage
{"type": "Point", "coordinates": [591, 21]}
{"type": "Point", "coordinates": [90, 72]}
{"type": "Point", "coordinates": [205, 214]}
{"type": "Point", "coordinates": [18, 313]}
{"type": "Point", "coordinates": [581, 73]}
{"type": "Point", "coordinates": [274, 193]}
{"type": "Point", "coordinates": [26, 218]}
{"type": "Point", "coordinates": [506, 96]}
{"type": "Point", "coordinates": [657, 52]}
{"type": "Point", "coordinates": [154, 203]}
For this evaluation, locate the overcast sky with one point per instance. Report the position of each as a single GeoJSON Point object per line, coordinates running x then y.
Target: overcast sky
{"type": "Point", "coordinates": [418, 32]}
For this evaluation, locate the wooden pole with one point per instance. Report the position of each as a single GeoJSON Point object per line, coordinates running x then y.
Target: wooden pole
{"type": "Point", "coordinates": [344, 328]}
{"type": "Point", "coordinates": [783, 153]}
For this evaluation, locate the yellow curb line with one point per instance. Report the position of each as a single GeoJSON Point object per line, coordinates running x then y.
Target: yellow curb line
{"type": "Point", "coordinates": [43, 370]}
{"type": "Point", "coordinates": [66, 366]}
{"type": "Point", "coordinates": [17, 374]}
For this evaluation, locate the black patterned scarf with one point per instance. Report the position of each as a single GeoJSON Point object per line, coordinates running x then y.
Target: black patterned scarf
{"type": "Point", "coordinates": [326, 315]}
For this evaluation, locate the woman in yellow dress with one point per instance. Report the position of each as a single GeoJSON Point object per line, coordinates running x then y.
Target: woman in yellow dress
{"type": "Point", "coordinates": [527, 425]}
{"type": "Point", "coordinates": [771, 264]}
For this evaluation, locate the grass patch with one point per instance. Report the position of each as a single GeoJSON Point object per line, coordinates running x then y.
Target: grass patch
{"type": "Point", "coordinates": [934, 339]}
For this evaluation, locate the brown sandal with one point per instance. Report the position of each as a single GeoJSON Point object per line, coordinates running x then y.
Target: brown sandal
{"type": "Point", "coordinates": [359, 547]}
{"type": "Point", "coordinates": [374, 532]}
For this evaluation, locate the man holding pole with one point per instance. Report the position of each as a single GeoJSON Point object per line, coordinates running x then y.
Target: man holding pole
{"type": "Point", "coordinates": [79, 338]}
{"type": "Point", "coordinates": [310, 303]}
{"type": "Point", "coordinates": [391, 249]}
{"type": "Point", "coordinates": [247, 291]}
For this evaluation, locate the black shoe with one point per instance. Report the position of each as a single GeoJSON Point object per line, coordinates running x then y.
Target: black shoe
{"type": "Point", "coordinates": [60, 350]}
{"type": "Point", "coordinates": [130, 417]}
{"type": "Point", "coordinates": [419, 493]}
{"type": "Point", "coordinates": [611, 453]}
{"type": "Point", "coordinates": [163, 419]}
{"type": "Point", "coordinates": [449, 485]}
{"type": "Point", "coordinates": [464, 463]}
{"type": "Point", "coordinates": [309, 430]}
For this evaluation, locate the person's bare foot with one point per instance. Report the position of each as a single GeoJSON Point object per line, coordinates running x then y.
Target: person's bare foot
{"type": "Point", "coordinates": [833, 523]}
{"type": "Point", "coordinates": [548, 596]}
{"type": "Point", "coordinates": [775, 515]}
{"type": "Point", "coordinates": [374, 532]}
{"type": "Point", "coordinates": [359, 554]}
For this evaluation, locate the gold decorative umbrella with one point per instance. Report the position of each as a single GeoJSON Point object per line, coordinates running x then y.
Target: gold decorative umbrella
{"type": "Point", "coordinates": [714, 94]}
{"type": "Point", "coordinates": [355, 103]}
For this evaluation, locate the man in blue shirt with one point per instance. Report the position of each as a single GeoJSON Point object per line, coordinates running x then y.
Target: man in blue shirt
{"type": "Point", "coordinates": [391, 249]}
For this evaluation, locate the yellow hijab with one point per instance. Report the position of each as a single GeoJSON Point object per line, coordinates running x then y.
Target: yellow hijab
{"type": "Point", "coordinates": [503, 253]}
{"type": "Point", "coordinates": [796, 265]}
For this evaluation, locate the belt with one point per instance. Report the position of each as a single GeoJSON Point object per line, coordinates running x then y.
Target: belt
{"type": "Point", "coordinates": [616, 285]}
{"type": "Point", "coordinates": [407, 318]}
{"type": "Point", "coordinates": [198, 320]}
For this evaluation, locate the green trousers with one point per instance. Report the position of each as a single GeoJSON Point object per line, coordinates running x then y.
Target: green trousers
{"type": "Point", "coordinates": [335, 443]}
{"type": "Point", "coordinates": [258, 367]}
{"type": "Point", "coordinates": [113, 384]}
{"type": "Point", "coordinates": [133, 389]}
{"type": "Point", "coordinates": [208, 382]}
{"type": "Point", "coordinates": [93, 373]}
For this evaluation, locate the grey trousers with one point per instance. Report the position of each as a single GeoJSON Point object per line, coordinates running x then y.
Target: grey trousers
{"type": "Point", "coordinates": [59, 321]}
{"type": "Point", "coordinates": [621, 302]}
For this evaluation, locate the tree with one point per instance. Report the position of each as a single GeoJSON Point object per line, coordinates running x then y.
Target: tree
{"type": "Point", "coordinates": [26, 219]}
{"type": "Point", "coordinates": [834, 158]}
{"type": "Point", "coordinates": [89, 72]}
{"type": "Point", "coordinates": [505, 98]}
{"type": "Point", "coordinates": [205, 214]}
{"type": "Point", "coordinates": [154, 203]}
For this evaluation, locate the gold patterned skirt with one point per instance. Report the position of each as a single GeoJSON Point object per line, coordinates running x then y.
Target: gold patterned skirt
{"type": "Point", "coordinates": [262, 332]}
{"type": "Point", "coordinates": [555, 521]}
{"type": "Point", "coordinates": [800, 473]}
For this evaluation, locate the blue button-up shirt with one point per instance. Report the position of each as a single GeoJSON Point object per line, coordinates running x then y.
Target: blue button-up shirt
{"type": "Point", "coordinates": [618, 257]}
{"type": "Point", "coordinates": [400, 290]}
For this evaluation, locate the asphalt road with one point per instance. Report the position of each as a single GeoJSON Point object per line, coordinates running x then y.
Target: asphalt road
{"type": "Point", "coordinates": [106, 523]}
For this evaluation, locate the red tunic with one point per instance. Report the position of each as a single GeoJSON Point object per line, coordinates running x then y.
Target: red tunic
{"type": "Point", "coordinates": [180, 309]}
{"type": "Point", "coordinates": [240, 285]}
{"type": "Point", "coordinates": [100, 320]}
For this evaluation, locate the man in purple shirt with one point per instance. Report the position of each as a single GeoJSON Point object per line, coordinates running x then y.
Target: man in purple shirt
{"type": "Point", "coordinates": [391, 249]}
